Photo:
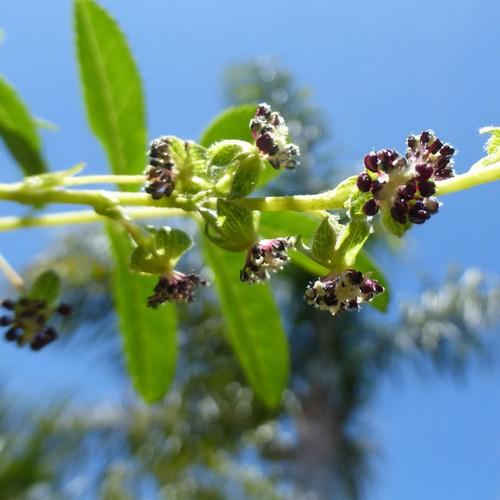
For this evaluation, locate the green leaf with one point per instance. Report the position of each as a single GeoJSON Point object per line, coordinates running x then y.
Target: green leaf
{"type": "Point", "coordinates": [366, 264]}
{"type": "Point", "coordinates": [352, 239]}
{"type": "Point", "coordinates": [115, 109]}
{"type": "Point", "coordinates": [163, 251]}
{"type": "Point", "coordinates": [246, 176]}
{"type": "Point", "coordinates": [307, 264]}
{"type": "Point", "coordinates": [189, 158]}
{"type": "Point", "coordinates": [347, 188]}
{"type": "Point", "coordinates": [47, 286]}
{"type": "Point", "coordinates": [149, 336]}
{"type": "Point", "coordinates": [112, 87]}
{"type": "Point", "coordinates": [233, 123]}
{"type": "Point", "coordinates": [492, 147]}
{"type": "Point", "coordinates": [18, 131]}
{"type": "Point", "coordinates": [493, 143]}
{"type": "Point", "coordinates": [172, 242]}
{"type": "Point", "coordinates": [225, 153]}
{"type": "Point", "coordinates": [288, 223]}
{"type": "Point", "coordinates": [234, 226]}
{"type": "Point", "coordinates": [254, 329]}
{"type": "Point", "coordinates": [325, 237]}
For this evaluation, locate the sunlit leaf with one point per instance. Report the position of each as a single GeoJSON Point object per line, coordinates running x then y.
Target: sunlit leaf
{"type": "Point", "coordinates": [325, 237]}
{"type": "Point", "coordinates": [115, 109]}
{"type": "Point", "coordinates": [149, 335]}
{"type": "Point", "coordinates": [111, 86]}
{"type": "Point", "coordinates": [18, 131]}
{"type": "Point", "coordinates": [254, 328]}
{"type": "Point", "coordinates": [352, 239]}
{"type": "Point", "coordinates": [233, 123]}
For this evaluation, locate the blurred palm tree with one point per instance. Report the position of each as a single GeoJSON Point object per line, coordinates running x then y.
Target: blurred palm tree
{"type": "Point", "coordinates": [210, 438]}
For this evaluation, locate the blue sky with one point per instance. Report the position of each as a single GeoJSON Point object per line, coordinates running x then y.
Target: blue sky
{"type": "Point", "coordinates": [380, 70]}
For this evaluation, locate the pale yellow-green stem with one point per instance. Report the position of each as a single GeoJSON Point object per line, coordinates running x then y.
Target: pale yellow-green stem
{"type": "Point", "coordinates": [10, 273]}
{"type": "Point", "coordinates": [104, 201]}
{"type": "Point", "coordinates": [83, 217]}
{"type": "Point", "coordinates": [469, 180]}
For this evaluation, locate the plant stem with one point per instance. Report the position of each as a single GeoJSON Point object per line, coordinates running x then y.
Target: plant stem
{"type": "Point", "coordinates": [94, 198]}
{"type": "Point", "coordinates": [83, 217]}
{"type": "Point", "coordinates": [11, 274]}
{"type": "Point", "coordinates": [104, 179]}
{"type": "Point", "coordinates": [470, 179]}
{"type": "Point", "coordinates": [329, 200]}
{"type": "Point", "coordinates": [101, 200]}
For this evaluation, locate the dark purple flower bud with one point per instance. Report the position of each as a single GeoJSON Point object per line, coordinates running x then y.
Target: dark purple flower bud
{"type": "Point", "coordinates": [264, 257]}
{"type": "Point", "coordinates": [371, 207]}
{"type": "Point", "coordinates": [399, 163]}
{"type": "Point", "coordinates": [447, 150]}
{"type": "Point", "coordinates": [177, 287]}
{"type": "Point", "coordinates": [341, 292]}
{"type": "Point", "coordinates": [8, 304]}
{"type": "Point", "coordinates": [426, 136]}
{"type": "Point", "coordinates": [431, 205]}
{"type": "Point", "coordinates": [5, 321]}
{"type": "Point", "coordinates": [50, 334]}
{"type": "Point", "coordinates": [271, 138]}
{"type": "Point", "coordinates": [266, 144]}
{"type": "Point", "coordinates": [355, 277]}
{"type": "Point", "coordinates": [369, 288]}
{"type": "Point", "coordinates": [426, 188]}
{"type": "Point", "coordinates": [377, 185]}
{"type": "Point", "coordinates": [162, 171]}
{"type": "Point", "coordinates": [402, 185]}
{"type": "Point", "coordinates": [407, 192]}
{"type": "Point", "coordinates": [371, 161]}
{"type": "Point", "coordinates": [29, 324]}
{"type": "Point", "coordinates": [292, 153]}
{"type": "Point", "coordinates": [435, 146]}
{"type": "Point", "coordinates": [424, 171]}
{"type": "Point", "coordinates": [444, 173]}
{"type": "Point", "coordinates": [12, 334]}
{"type": "Point", "coordinates": [412, 142]}
{"type": "Point", "coordinates": [38, 342]}
{"type": "Point", "coordinates": [399, 214]}
{"type": "Point", "coordinates": [418, 214]}
{"type": "Point", "coordinates": [64, 309]}
{"type": "Point", "coordinates": [263, 110]}
{"type": "Point", "coordinates": [364, 182]}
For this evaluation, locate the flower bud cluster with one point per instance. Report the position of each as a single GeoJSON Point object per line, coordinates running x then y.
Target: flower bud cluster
{"type": "Point", "coordinates": [264, 257]}
{"type": "Point", "coordinates": [161, 171]}
{"type": "Point", "coordinates": [270, 133]}
{"type": "Point", "coordinates": [342, 292]}
{"type": "Point", "coordinates": [405, 185]}
{"type": "Point", "coordinates": [177, 287]}
{"type": "Point", "coordinates": [28, 323]}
